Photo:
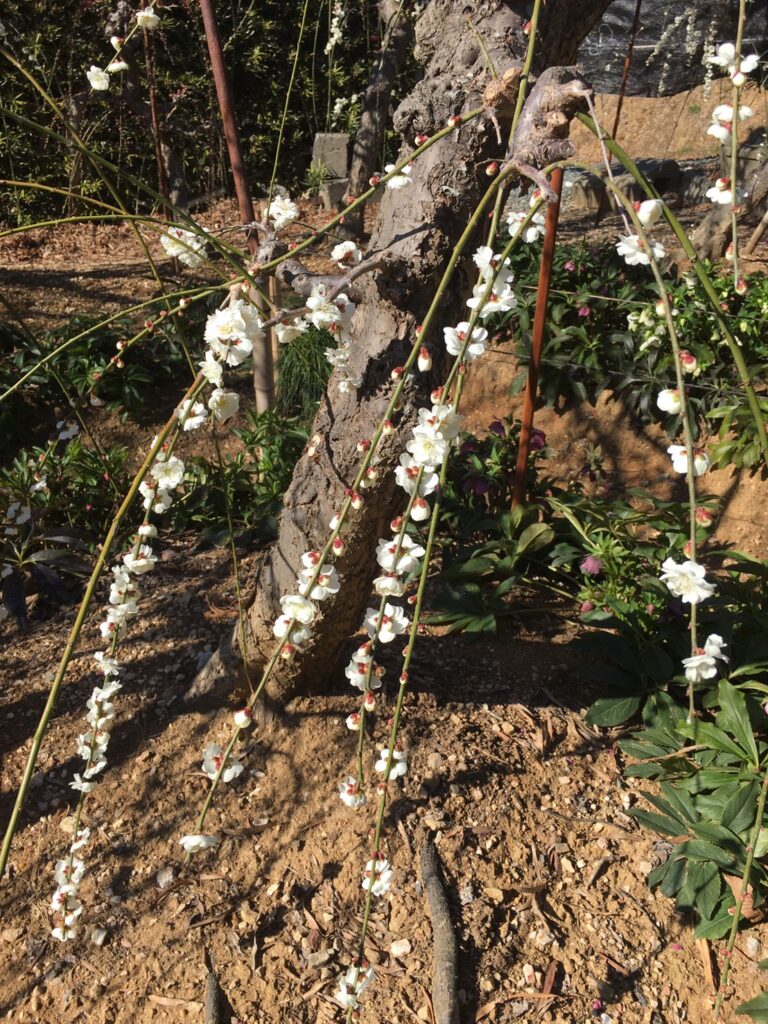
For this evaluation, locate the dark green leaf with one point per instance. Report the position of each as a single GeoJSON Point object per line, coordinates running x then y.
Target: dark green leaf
{"type": "Point", "coordinates": [608, 711]}
{"type": "Point", "coordinates": [734, 717]}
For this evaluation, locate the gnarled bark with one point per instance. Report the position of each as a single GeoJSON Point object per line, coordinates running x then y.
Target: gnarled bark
{"type": "Point", "coordinates": [418, 227]}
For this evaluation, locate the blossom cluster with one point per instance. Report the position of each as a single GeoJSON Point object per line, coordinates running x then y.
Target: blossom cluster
{"type": "Point", "coordinates": [98, 78]}
{"type": "Point", "coordinates": [535, 228]}
{"type": "Point", "coordinates": [633, 247]}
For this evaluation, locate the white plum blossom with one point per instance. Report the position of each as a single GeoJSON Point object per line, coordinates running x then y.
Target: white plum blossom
{"type": "Point", "coordinates": [400, 554]}
{"type": "Point", "coordinates": [323, 313]}
{"type": "Point", "coordinates": [326, 584]}
{"type": "Point", "coordinates": [80, 785]}
{"type": "Point", "coordinates": [212, 369]}
{"type": "Point", "coordinates": [456, 336]}
{"type": "Point", "coordinates": [442, 418]}
{"type": "Point", "coordinates": [725, 57]}
{"type": "Point", "coordinates": [67, 429]}
{"type": "Point", "coordinates": [198, 841]}
{"type": "Point", "coordinates": [648, 211]}
{"type": "Point", "coordinates": [386, 627]}
{"type": "Point", "coordinates": [679, 456]}
{"type": "Point", "coordinates": [427, 447]}
{"type": "Point", "coordinates": [350, 792]}
{"type": "Point", "coordinates": [147, 530]}
{"type": "Point", "coordinates": [702, 665]}
{"type": "Point", "coordinates": [722, 121]}
{"type": "Point", "coordinates": [388, 585]}
{"type": "Point", "coordinates": [233, 331]}
{"type": "Point", "coordinates": [351, 985]}
{"type": "Point", "coordinates": [243, 718]}
{"type": "Point", "coordinates": [141, 561]}
{"type": "Point", "coordinates": [298, 634]}
{"type": "Point", "coordinates": [669, 401]}
{"type": "Point", "coordinates": [282, 211]}
{"type": "Point", "coordinates": [213, 759]}
{"type": "Point", "coordinates": [722, 193]}
{"type": "Point", "coordinates": [191, 415]}
{"type": "Point", "coordinates": [346, 254]}
{"type": "Point", "coordinates": [223, 404]}
{"type": "Point", "coordinates": [108, 666]}
{"type": "Point", "coordinates": [98, 79]}
{"type": "Point", "coordinates": [298, 607]}
{"type": "Point", "coordinates": [290, 330]}
{"type": "Point", "coordinates": [400, 180]}
{"type": "Point", "coordinates": [686, 581]}
{"type": "Point", "coordinates": [187, 247]}
{"type": "Point", "coordinates": [399, 762]}
{"type": "Point", "coordinates": [147, 18]}
{"type": "Point", "coordinates": [116, 66]}
{"type": "Point", "coordinates": [634, 251]}
{"type": "Point", "coordinates": [377, 877]}
{"type": "Point", "coordinates": [534, 230]}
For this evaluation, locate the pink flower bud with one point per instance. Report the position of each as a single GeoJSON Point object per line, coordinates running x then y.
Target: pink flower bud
{"type": "Point", "coordinates": [688, 361]}
{"type": "Point", "coordinates": [421, 139]}
{"type": "Point", "coordinates": [356, 500]}
{"type": "Point", "coordinates": [420, 510]}
{"type": "Point", "coordinates": [492, 169]}
{"type": "Point", "coordinates": [527, 27]}
{"type": "Point", "coordinates": [396, 524]}
{"type": "Point", "coordinates": [454, 121]}
{"type": "Point", "coordinates": [353, 721]}
{"type": "Point", "coordinates": [364, 445]}
{"type": "Point", "coordinates": [183, 303]}
{"type": "Point", "coordinates": [688, 549]}
{"type": "Point", "coordinates": [437, 396]}
{"type": "Point", "coordinates": [425, 359]}
{"type": "Point", "coordinates": [371, 473]}
{"type": "Point", "coordinates": [120, 345]}
{"type": "Point", "coordinates": [149, 326]}
{"type": "Point", "coordinates": [738, 78]}
{"type": "Point", "coordinates": [374, 180]}
{"type": "Point", "coordinates": [397, 373]}
{"type": "Point", "coordinates": [704, 516]}
{"type": "Point", "coordinates": [287, 651]}
{"type": "Point", "coordinates": [387, 427]}
{"type": "Point", "coordinates": [339, 547]}
{"type": "Point", "coordinates": [369, 702]}
{"type": "Point", "coordinates": [741, 287]}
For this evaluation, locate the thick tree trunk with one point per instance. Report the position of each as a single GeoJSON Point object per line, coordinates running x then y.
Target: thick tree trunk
{"type": "Point", "coordinates": [418, 227]}
{"type": "Point", "coordinates": [366, 150]}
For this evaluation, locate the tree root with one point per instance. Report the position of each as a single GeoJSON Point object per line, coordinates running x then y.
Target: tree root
{"type": "Point", "coordinates": [446, 951]}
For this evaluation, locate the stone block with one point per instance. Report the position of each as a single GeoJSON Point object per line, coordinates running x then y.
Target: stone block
{"type": "Point", "coordinates": [332, 194]}
{"type": "Point", "coordinates": [331, 151]}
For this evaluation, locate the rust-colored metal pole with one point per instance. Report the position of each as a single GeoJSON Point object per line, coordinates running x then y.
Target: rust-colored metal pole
{"type": "Point", "coordinates": [537, 338]}
{"type": "Point", "coordinates": [263, 364]}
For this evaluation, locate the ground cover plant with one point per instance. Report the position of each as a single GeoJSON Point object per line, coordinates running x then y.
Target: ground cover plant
{"type": "Point", "coordinates": [304, 398]}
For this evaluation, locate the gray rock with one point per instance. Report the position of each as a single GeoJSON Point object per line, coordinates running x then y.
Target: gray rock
{"type": "Point", "coordinates": [332, 193]}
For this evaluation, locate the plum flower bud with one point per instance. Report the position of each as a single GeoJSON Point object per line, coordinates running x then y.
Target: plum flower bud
{"type": "Point", "coordinates": [356, 500]}
{"type": "Point", "coordinates": [364, 445]}
{"type": "Point", "coordinates": [369, 702]}
{"type": "Point", "coordinates": [454, 121]}
{"type": "Point", "coordinates": [387, 428]}
{"type": "Point", "coordinates": [688, 362]}
{"type": "Point", "coordinates": [339, 547]}
{"type": "Point", "coordinates": [436, 396]}
{"type": "Point", "coordinates": [492, 168]}
{"type": "Point", "coordinates": [198, 841]}
{"type": "Point", "coordinates": [741, 287]}
{"type": "Point", "coordinates": [424, 361]}
{"type": "Point", "coordinates": [421, 139]}
{"type": "Point", "coordinates": [374, 180]}
{"type": "Point", "coordinates": [353, 721]}
{"type": "Point", "coordinates": [420, 510]}
{"type": "Point", "coordinates": [396, 524]}
{"type": "Point", "coordinates": [704, 516]}
{"type": "Point", "coordinates": [287, 651]}
{"type": "Point", "coordinates": [397, 373]}
{"type": "Point", "coordinates": [243, 718]}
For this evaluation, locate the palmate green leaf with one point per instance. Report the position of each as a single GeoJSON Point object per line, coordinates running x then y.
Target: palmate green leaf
{"type": "Point", "coordinates": [734, 717]}
{"type": "Point", "coordinates": [609, 711]}
{"type": "Point", "coordinates": [756, 1008]}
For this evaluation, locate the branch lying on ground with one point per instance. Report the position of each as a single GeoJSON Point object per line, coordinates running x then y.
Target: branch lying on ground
{"type": "Point", "coordinates": [446, 951]}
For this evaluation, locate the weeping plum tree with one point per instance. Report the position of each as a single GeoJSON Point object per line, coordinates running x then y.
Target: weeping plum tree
{"type": "Point", "coordinates": [416, 231]}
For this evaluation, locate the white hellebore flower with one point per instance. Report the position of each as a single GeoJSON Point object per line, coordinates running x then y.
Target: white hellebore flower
{"type": "Point", "coordinates": [198, 841]}
{"type": "Point", "coordinates": [213, 758]}
{"type": "Point", "coordinates": [679, 456]}
{"type": "Point", "coordinates": [282, 211]}
{"type": "Point", "coordinates": [386, 627]}
{"type": "Point", "coordinates": [456, 336]}
{"type": "Point", "coordinates": [399, 762]}
{"type": "Point", "coordinates": [346, 254]}
{"type": "Point", "coordinates": [686, 581]}
{"type": "Point", "coordinates": [185, 246]}
{"type": "Point", "coordinates": [378, 877]}
{"type": "Point", "coordinates": [400, 180]}
{"type": "Point", "coordinates": [98, 79]}
{"type": "Point", "coordinates": [147, 18]}
{"type": "Point", "coordinates": [350, 793]}
{"type": "Point", "coordinates": [191, 415]}
{"type": "Point", "coordinates": [669, 401]}
{"type": "Point", "coordinates": [224, 404]}
{"type": "Point", "coordinates": [703, 664]}
{"type": "Point", "coordinates": [632, 248]}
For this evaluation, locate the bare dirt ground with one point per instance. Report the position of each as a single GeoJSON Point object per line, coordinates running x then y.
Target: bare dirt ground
{"type": "Point", "coordinates": [546, 871]}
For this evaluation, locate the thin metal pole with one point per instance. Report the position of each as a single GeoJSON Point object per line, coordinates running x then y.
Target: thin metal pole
{"type": "Point", "coordinates": [263, 364]}
{"type": "Point", "coordinates": [537, 339]}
